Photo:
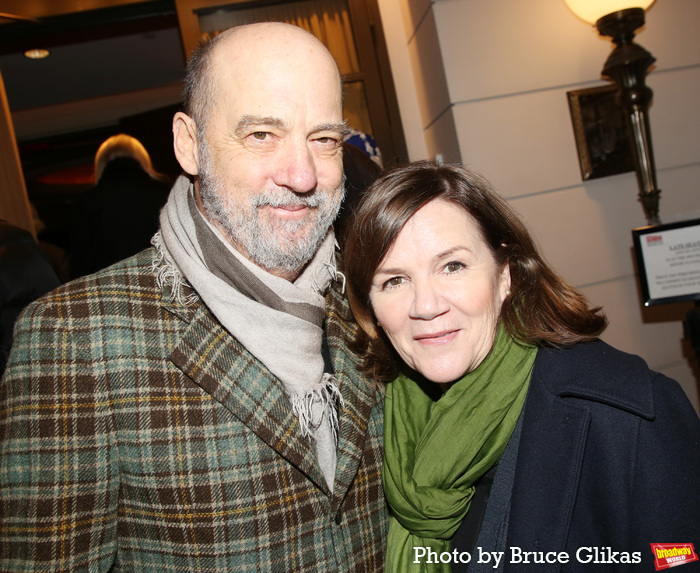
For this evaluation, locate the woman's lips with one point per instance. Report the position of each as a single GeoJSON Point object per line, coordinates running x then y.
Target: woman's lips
{"type": "Point", "coordinates": [436, 338]}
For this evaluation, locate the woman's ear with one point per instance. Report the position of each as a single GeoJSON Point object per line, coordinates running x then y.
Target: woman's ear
{"type": "Point", "coordinates": [185, 143]}
{"type": "Point", "coordinates": [505, 281]}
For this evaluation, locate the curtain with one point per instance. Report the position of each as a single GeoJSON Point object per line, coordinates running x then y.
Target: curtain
{"type": "Point", "coordinates": [328, 20]}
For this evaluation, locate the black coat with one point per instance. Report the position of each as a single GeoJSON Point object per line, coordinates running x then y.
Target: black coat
{"type": "Point", "coordinates": [25, 274]}
{"type": "Point", "coordinates": [116, 218]}
{"type": "Point", "coordinates": [609, 458]}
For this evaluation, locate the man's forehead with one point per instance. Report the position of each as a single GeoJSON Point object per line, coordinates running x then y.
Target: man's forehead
{"type": "Point", "coordinates": [287, 76]}
{"type": "Point", "coordinates": [259, 87]}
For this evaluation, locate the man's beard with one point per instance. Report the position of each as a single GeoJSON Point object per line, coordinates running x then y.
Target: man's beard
{"type": "Point", "coordinates": [271, 243]}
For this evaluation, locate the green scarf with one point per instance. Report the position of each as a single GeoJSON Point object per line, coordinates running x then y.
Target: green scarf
{"type": "Point", "coordinates": [434, 451]}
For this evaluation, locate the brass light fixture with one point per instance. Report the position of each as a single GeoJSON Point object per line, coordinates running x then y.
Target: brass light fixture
{"type": "Point", "coordinates": [627, 66]}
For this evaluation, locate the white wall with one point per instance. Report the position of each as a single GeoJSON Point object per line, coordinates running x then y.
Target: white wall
{"type": "Point", "coordinates": [485, 82]}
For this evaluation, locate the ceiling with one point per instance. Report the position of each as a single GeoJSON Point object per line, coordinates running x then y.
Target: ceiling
{"type": "Point", "coordinates": [108, 58]}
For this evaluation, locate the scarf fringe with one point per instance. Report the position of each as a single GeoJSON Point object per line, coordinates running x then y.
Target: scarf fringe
{"type": "Point", "coordinates": [169, 275]}
{"type": "Point", "coordinates": [331, 401]}
{"type": "Point", "coordinates": [333, 269]}
{"type": "Point", "coordinates": [337, 275]}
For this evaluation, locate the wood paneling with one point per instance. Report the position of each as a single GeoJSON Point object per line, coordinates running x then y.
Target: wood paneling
{"type": "Point", "coordinates": [14, 204]}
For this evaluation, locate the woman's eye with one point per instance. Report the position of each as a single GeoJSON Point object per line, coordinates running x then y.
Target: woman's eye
{"type": "Point", "coordinates": [393, 282]}
{"type": "Point", "coordinates": [454, 266]}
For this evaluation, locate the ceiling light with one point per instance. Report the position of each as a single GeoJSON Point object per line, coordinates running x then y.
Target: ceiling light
{"type": "Point", "coordinates": [37, 54]}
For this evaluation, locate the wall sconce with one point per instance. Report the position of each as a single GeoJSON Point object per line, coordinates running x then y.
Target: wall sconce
{"type": "Point", "coordinates": [627, 66]}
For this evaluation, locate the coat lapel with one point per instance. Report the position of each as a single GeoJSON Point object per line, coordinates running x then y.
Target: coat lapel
{"type": "Point", "coordinates": [358, 394]}
{"type": "Point", "coordinates": [222, 367]}
{"type": "Point", "coordinates": [547, 474]}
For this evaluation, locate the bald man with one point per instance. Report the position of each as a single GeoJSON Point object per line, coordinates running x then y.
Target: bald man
{"type": "Point", "coordinates": [196, 407]}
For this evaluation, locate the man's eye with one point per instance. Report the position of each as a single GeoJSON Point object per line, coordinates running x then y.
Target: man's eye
{"type": "Point", "coordinates": [327, 143]}
{"type": "Point", "coordinates": [260, 135]}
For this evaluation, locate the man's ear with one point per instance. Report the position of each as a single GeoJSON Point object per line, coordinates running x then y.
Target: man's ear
{"type": "Point", "coordinates": [185, 143]}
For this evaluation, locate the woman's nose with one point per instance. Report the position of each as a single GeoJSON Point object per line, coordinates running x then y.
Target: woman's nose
{"type": "Point", "coordinates": [428, 300]}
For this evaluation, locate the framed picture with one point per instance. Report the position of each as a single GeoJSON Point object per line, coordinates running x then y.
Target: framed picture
{"type": "Point", "coordinates": [668, 259]}
{"type": "Point", "coordinates": [601, 132]}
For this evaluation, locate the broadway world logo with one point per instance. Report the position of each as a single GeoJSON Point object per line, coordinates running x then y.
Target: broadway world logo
{"type": "Point", "coordinates": [669, 555]}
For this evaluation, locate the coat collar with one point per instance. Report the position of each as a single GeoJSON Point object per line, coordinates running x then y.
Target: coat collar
{"type": "Point", "coordinates": [596, 371]}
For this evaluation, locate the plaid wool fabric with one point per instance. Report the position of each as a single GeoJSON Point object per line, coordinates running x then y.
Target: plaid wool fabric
{"type": "Point", "coordinates": [137, 435]}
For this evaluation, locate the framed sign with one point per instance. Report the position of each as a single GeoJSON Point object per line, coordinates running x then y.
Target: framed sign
{"type": "Point", "coordinates": [601, 133]}
{"type": "Point", "coordinates": [668, 259]}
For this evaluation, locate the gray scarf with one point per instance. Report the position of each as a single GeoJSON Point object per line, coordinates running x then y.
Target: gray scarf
{"type": "Point", "coordinates": [278, 322]}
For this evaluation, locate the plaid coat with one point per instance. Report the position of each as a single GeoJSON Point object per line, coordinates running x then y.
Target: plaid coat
{"type": "Point", "coordinates": [137, 435]}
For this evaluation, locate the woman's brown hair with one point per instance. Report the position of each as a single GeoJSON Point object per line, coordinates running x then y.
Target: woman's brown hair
{"type": "Point", "coordinates": [542, 309]}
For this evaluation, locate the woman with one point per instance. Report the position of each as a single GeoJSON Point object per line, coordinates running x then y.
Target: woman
{"type": "Point", "coordinates": [514, 438]}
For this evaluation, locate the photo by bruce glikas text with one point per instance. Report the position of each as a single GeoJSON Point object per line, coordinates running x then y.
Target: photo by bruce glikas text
{"type": "Point", "coordinates": [592, 555]}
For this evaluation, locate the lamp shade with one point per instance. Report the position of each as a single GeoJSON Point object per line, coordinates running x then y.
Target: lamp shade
{"type": "Point", "coordinates": [592, 10]}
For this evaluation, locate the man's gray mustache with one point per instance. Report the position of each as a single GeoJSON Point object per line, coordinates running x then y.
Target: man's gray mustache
{"type": "Point", "coordinates": [313, 201]}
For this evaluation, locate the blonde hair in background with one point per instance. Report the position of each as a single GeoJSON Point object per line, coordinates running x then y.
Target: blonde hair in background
{"type": "Point", "coordinates": [123, 145]}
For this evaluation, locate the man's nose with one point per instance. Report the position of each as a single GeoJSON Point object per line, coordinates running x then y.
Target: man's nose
{"type": "Point", "coordinates": [428, 300]}
{"type": "Point", "coordinates": [296, 168]}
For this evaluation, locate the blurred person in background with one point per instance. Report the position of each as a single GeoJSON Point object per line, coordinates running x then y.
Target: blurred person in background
{"type": "Point", "coordinates": [25, 275]}
{"type": "Point", "coordinates": [117, 217]}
